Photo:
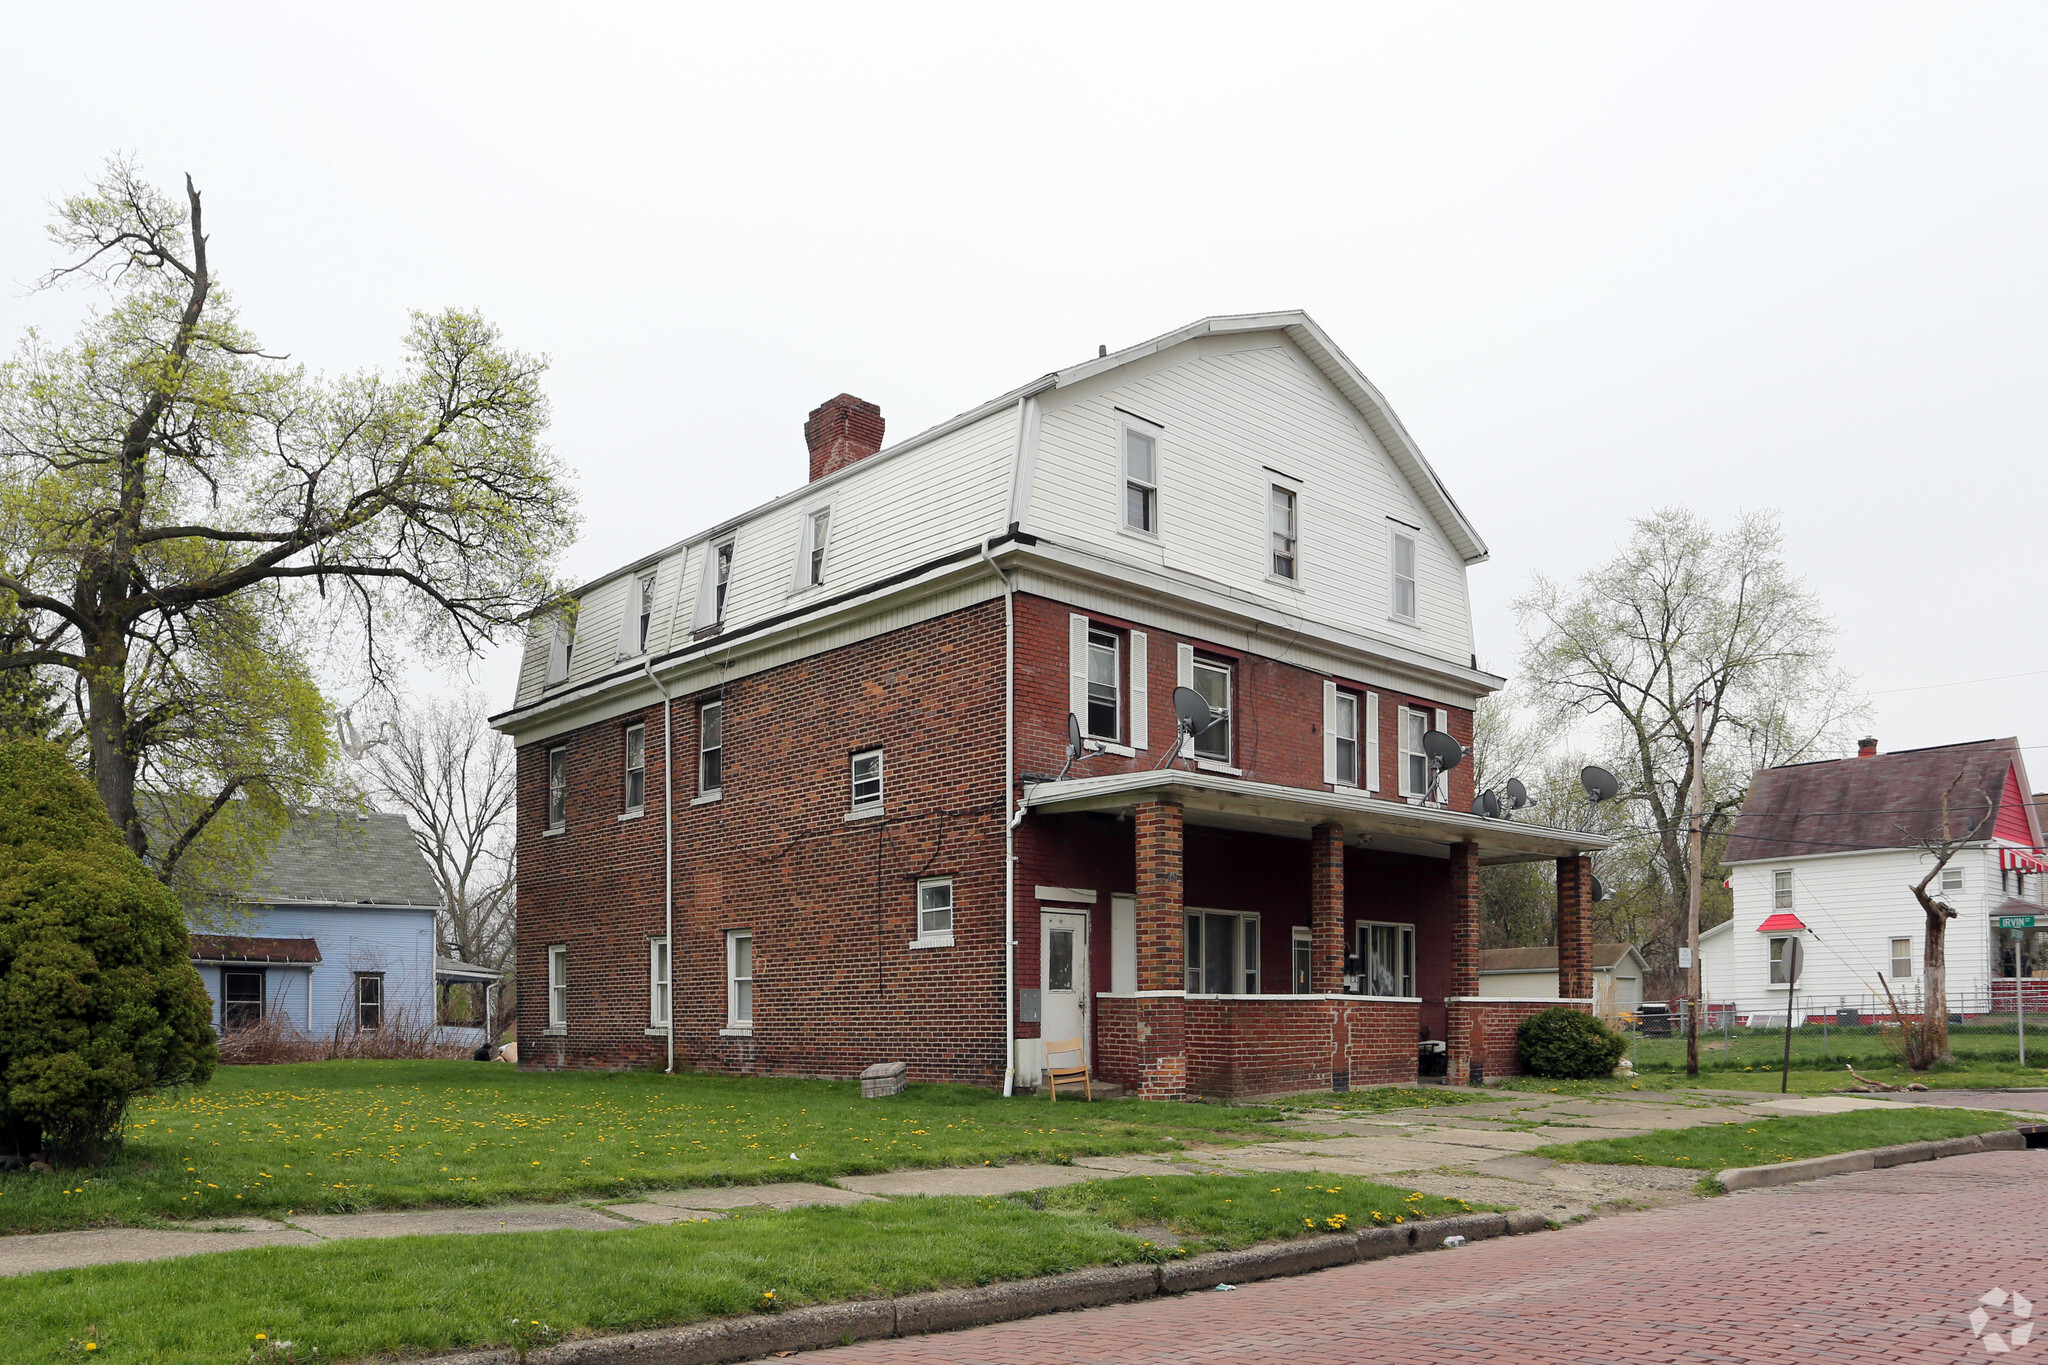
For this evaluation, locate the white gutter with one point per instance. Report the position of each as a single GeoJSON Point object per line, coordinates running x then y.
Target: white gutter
{"type": "Point", "coordinates": [1010, 823]}
{"type": "Point", "coordinates": [668, 853]}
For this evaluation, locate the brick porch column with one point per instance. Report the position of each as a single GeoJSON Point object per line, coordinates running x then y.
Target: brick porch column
{"type": "Point", "coordinates": [1160, 1020]}
{"type": "Point", "coordinates": [1575, 927]}
{"type": "Point", "coordinates": [1326, 909]}
{"type": "Point", "coordinates": [1461, 1018]}
{"type": "Point", "coordinates": [1464, 920]}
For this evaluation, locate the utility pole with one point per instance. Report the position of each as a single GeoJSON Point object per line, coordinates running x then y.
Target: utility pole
{"type": "Point", "coordinates": [1694, 854]}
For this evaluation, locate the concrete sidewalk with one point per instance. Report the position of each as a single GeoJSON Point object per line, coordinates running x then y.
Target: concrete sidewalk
{"type": "Point", "coordinates": [1477, 1151]}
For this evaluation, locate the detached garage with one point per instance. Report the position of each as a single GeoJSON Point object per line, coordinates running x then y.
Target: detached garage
{"type": "Point", "coordinates": [1531, 974]}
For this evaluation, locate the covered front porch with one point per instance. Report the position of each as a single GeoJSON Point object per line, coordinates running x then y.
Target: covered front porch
{"type": "Point", "coordinates": [1265, 939]}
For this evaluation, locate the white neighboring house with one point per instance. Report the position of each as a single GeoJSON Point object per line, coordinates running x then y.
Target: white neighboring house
{"type": "Point", "coordinates": [1531, 974]}
{"type": "Point", "coordinates": [1824, 853]}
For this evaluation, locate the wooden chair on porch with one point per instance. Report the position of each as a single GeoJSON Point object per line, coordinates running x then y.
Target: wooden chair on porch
{"type": "Point", "coordinates": [1055, 1074]}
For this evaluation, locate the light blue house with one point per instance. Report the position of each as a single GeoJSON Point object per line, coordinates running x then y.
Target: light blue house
{"type": "Point", "coordinates": [337, 936]}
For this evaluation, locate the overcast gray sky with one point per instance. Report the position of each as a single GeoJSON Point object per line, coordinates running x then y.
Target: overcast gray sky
{"type": "Point", "coordinates": [1600, 258]}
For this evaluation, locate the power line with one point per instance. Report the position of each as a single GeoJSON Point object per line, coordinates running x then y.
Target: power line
{"type": "Point", "coordinates": [1965, 682]}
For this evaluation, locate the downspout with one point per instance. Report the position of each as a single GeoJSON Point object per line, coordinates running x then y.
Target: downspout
{"type": "Point", "coordinates": [668, 852]}
{"type": "Point", "coordinates": [1010, 823]}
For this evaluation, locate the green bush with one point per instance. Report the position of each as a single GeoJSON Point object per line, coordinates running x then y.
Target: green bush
{"type": "Point", "coordinates": [1568, 1044]}
{"type": "Point", "coordinates": [98, 1001]}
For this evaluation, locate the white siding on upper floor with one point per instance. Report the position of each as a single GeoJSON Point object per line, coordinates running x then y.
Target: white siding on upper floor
{"type": "Point", "coordinates": [888, 515]}
{"type": "Point", "coordinates": [1234, 410]}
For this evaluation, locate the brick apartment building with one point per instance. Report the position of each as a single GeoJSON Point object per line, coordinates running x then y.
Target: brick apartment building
{"type": "Point", "coordinates": [796, 794]}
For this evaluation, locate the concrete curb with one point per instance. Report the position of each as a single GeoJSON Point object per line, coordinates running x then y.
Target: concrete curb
{"type": "Point", "coordinates": [1871, 1158]}
{"type": "Point", "coordinates": [729, 1340]}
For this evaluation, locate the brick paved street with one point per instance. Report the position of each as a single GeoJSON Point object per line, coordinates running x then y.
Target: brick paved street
{"type": "Point", "coordinates": [1879, 1266]}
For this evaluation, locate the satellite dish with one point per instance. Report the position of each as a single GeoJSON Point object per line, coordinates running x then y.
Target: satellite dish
{"type": "Point", "coordinates": [1599, 783]}
{"type": "Point", "coordinates": [1517, 795]}
{"type": "Point", "coordinates": [1486, 804]}
{"type": "Point", "coordinates": [1192, 711]}
{"type": "Point", "coordinates": [1073, 735]}
{"type": "Point", "coordinates": [1444, 752]}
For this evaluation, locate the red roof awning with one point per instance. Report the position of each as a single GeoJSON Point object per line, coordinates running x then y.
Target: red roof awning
{"type": "Point", "coordinates": [2022, 860]}
{"type": "Point", "coordinates": [1781, 924]}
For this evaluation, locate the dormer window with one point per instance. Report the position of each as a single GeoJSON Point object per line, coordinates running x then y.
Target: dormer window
{"type": "Point", "coordinates": [1402, 607]}
{"type": "Point", "coordinates": [1281, 523]}
{"type": "Point", "coordinates": [721, 577]}
{"type": "Point", "coordinates": [820, 523]}
{"type": "Point", "coordinates": [1141, 481]}
{"type": "Point", "coordinates": [646, 613]}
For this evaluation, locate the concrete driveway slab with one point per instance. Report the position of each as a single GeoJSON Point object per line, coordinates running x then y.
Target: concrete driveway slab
{"type": "Point", "coordinates": [663, 1213]}
{"type": "Point", "coordinates": [790, 1194]}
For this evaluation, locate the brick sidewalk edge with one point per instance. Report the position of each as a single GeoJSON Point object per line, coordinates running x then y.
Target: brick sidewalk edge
{"type": "Point", "coordinates": [944, 1310]}
{"type": "Point", "coordinates": [1871, 1158]}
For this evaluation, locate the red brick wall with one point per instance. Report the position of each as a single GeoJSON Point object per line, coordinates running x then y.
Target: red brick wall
{"type": "Point", "coordinates": [1141, 1044]}
{"type": "Point", "coordinates": [1279, 709]}
{"type": "Point", "coordinates": [1326, 909]}
{"type": "Point", "coordinates": [1496, 1022]}
{"type": "Point", "coordinates": [1238, 1047]}
{"type": "Point", "coordinates": [1575, 927]}
{"type": "Point", "coordinates": [831, 903]}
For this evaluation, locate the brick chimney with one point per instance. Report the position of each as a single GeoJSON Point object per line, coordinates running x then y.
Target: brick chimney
{"type": "Point", "coordinates": [1866, 747]}
{"type": "Point", "coordinates": [840, 431]}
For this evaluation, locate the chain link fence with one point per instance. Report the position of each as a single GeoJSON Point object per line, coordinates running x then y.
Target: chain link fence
{"type": "Point", "coordinates": [1831, 1033]}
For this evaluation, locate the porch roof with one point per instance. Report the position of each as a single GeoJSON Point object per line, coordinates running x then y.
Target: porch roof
{"type": "Point", "coordinates": [1218, 799]}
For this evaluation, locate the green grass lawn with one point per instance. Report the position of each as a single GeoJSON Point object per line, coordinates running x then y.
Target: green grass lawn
{"type": "Point", "coordinates": [1813, 1078]}
{"type": "Point", "coordinates": [344, 1136]}
{"type": "Point", "coordinates": [1380, 1099]}
{"type": "Point", "coordinates": [1763, 1142]}
{"type": "Point", "coordinates": [1994, 1043]}
{"type": "Point", "coordinates": [419, 1294]}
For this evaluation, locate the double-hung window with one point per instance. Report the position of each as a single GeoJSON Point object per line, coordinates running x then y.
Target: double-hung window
{"type": "Point", "coordinates": [1280, 519]}
{"type": "Point", "coordinates": [710, 749]}
{"type": "Point", "coordinates": [1951, 881]}
{"type": "Point", "coordinates": [819, 525]}
{"type": "Point", "coordinates": [241, 999]}
{"type": "Point", "coordinates": [558, 987]}
{"type": "Point", "coordinates": [1414, 725]}
{"type": "Point", "coordinates": [1141, 481]}
{"type": "Point", "coordinates": [1781, 889]}
{"type": "Point", "coordinates": [866, 770]}
{"type": "Point", "coordinates": [370, 1001]}
{"type": "Point", "coordinates": [721, 579]}
{"type": "Point", "coordinates": [739, 979]}
{"type": "Point", "coordinates": [1212, 679]}
{"type": "Point", "coordinates": [1222, 953]}
{"type": "Point", "coordinates": [1344, 738]}
{"type": "Point", "coordinates": [1902, 959]}
{"type": "Point", "coordinates": [935, 912]}
{"type": "Point", "coordinates": [645, 622]}
{"type": "Point", "coordinates": [558, 788]}
{"type": "Point", "coordinates": [636, 767]}
{"type": "Point", "coordinates": [1105, 699]}
{"type": "Point", "coordinates": [1402, 606]}
{"type": "Point", "coordinates": [657, 983]}
{"type": "Point", "coordinates": [1386, 959]}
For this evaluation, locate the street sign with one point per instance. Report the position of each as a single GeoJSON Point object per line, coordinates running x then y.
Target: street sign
{"type": "Point", "coordinates": [2016, 921]}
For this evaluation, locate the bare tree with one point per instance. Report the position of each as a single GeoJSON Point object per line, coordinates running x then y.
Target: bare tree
{"type": "Point", "coordinates": [456, 781]}
{"type": "Point", "coordinates": [1926, 1042]}
{"type": "Point", "coordinates": [1681, 612]}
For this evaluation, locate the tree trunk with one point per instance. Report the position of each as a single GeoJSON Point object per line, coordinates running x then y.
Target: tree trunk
{"type": "Point", "coordinates": [1934, 970]}
{"type": "Point", "coordinates": [106, 727]}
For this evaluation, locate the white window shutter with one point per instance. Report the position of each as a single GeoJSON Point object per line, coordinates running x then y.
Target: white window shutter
{"type": "Point", "coordinates": [1141, 718]}
{"type": "Point", "coordinates": [1077, 668]}
{"type": "Point", "coordinates": [1443, 780]}
{"type": "Point", "coordinates": [629, 619]}
{"type": "Point", "coordinates": [558, 652]}
{"type": "Point", "coordinates": [706, 613]}
{"type": "Point", "coordinates": [1401, 738]}
{"type": "Point", "coordinates": [1369, 743]}
{"type": "Point", "coordinates": [1184, 676]}
{"type": "Point", "coordinates": [1330, 732]}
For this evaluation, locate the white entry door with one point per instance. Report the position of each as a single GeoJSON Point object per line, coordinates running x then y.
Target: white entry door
{"type": "Point", "coordinates": [1063, 969]}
